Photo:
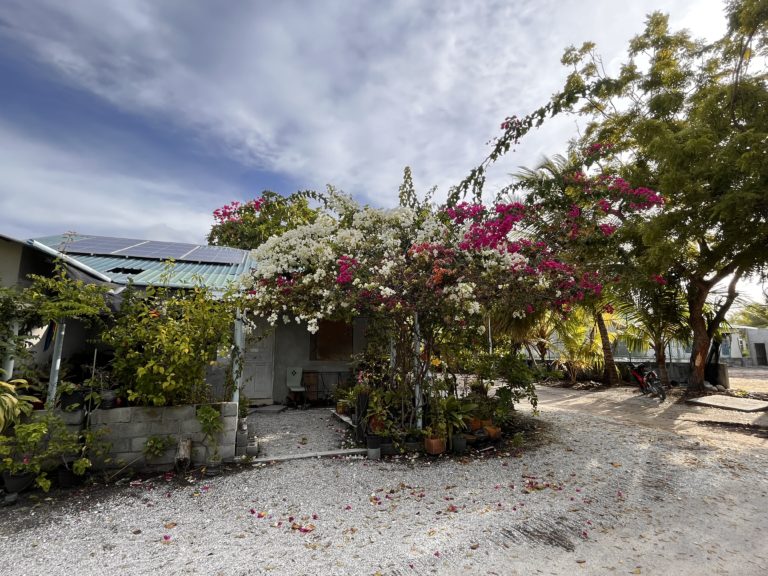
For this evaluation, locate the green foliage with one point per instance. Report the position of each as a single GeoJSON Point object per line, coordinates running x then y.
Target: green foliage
{"type": "Point", "coordinates": [13, 404]}
{"type": "Point", "coordinates": [580, 348]}
{"type": "Point", "coordinates": [751, 314]}
{"type": "Point", "coordinates": [60, 297]}
{"type": "Point", "coordinates": [15, 310]}
{"type": "Point", "coordinates": [164, 340]}
{"type": "Point", "coordinates": [211, 424]}
{"type": "Point", "coordinates": [689, 120]}
{"type": "Point", "coordinates": [23, 452]}
{"type": "Point", "coordinates": [156, 446]}
{"type": "Point", "coordinates": [249, 225]}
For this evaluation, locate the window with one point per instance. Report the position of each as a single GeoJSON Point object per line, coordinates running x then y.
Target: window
{"type": "Point", "coordinates": [333, 341]}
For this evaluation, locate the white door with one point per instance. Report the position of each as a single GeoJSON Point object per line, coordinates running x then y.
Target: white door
{"type": "Point", "coordinates": [258, 366]}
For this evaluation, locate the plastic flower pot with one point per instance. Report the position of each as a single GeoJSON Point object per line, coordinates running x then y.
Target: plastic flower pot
{"type": "Point", "coordinates": [373, 442]}
{"type": "Point", "coordinates": [374, 453]}
{"type": "Point", "coordinates": [458, 443]}
{"type": "Point", "coordinates": [18, 482]}
{"type": "Point", "coordinates": [387, 447]}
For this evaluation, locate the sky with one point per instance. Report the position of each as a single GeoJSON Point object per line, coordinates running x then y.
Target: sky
{"type": "Point", "coordinates": [139, 118]}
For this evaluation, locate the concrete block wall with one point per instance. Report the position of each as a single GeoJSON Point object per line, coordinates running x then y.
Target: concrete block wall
{"type": "Point", "coordinates": [128, 430]}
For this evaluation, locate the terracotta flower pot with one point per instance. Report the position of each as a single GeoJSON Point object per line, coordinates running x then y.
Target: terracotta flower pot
{"type": "Point", "coordinates": [475, 424]}
{"type": "Point", "coordinates": [434, 446]}
{"type": "Point", "coordinates": [494, 432]}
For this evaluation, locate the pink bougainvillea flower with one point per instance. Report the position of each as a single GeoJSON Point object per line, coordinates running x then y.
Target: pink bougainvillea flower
{"type": "Point", "coordinates": [348, 507]}
{"type": "Point", "coordinates": [166, 537]}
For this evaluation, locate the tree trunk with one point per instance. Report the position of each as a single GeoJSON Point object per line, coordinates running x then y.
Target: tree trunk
{"type": "Point", "coordinates": [697, 296]}
{"type": "Point", "coordinates": [609, 366]}
{"type": "Point", "coordinates": [661, 361]}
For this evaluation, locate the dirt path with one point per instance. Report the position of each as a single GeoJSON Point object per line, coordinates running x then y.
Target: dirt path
{"type": "Point", "coordinates": [716, 427]}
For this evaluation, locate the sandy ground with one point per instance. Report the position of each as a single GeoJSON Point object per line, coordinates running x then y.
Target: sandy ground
{"type": "Point", "coordinates": [619, 485]}
{"type": "Point", "coordinates": [753, 379]}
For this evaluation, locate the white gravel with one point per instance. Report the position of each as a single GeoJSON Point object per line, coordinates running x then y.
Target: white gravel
{"type": "Point", "coordinates": [613, 499]}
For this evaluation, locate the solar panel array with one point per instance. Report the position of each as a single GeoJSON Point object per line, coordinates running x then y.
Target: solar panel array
{"type": "Point", "coordinates": [216, 254]}
{"type": "Point", "coordinates": [104, 246]}
{"type": "Point", "coordinates": [99, 245]}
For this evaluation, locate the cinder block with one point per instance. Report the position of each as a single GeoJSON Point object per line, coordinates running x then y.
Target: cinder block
{"type": "Point", "coordinates": [111, 416]}
{"type": "Point", "coordinates": [165, 428]}
{"type": "Point", "coordinates": [120, 445]}
{"type": "Point", "coordinates": [130, 430]}
{"type": "Point", "coordinates": [198, 455]}
{"type": "Point", "coordinates": [242, 438]}
{"type": "Point", "coordinates": [229, 423]}
{"type": "Point", "coordinates": [147, 414]}
{"type": "Point", "coordinates": [227, 453]}
{"type": "Point", "coordinates": [138, 444]}
{"type": "Point", "coordinates": [229, 409]}
{"type": "Point", "coordinates": [178, 413]}
{"type": "Point", "coordinates": [190, 426]}
{"type": "Point", "coordinates": [74, 418]}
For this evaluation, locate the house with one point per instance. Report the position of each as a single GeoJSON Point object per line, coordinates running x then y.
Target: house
{"type": "Point", "coordinates": [745, 346]}
{"type": "Point", "coordinates": [269, 354]}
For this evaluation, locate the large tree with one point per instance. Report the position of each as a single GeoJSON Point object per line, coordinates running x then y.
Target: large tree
{"type": "Point", "coordinates": [689, 120]}
{"type": "Point", "coordinates": [248, 225]}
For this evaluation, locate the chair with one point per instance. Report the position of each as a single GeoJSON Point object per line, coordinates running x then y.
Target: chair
{"type": "Point", "coordinates": [294, 379]}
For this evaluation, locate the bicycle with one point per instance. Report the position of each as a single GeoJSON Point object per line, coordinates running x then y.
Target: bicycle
{"type": "Point", "coordinates": [648, 380]}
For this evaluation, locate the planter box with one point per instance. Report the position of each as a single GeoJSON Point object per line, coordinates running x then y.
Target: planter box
{"type": "Point", "coordinates": [129, 428]}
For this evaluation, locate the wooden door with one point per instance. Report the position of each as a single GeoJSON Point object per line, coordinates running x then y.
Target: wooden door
{"type": "Point", "coordinates": [258, 366]}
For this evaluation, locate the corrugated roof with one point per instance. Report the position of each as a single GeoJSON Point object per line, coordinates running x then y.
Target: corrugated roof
{"type": "Point", "coordinates": [143, 271]}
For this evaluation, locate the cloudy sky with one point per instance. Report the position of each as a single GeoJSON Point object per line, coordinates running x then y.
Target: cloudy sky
{"type": "Point", "coordinates": [139, 118]}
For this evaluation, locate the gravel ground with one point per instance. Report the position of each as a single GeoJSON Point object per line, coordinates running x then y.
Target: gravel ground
{"type": "Point", "coordinates": [295, 431]}
{"type": "Point", "coordinates": [599, 497]}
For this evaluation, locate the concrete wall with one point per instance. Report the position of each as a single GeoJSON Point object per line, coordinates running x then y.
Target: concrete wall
{"type": "Point", "coordinates": [10, 260]}
{"type": "Point", "coordinates": [679, 371]}
{"type": "Point", "coordinates": [129, 428]}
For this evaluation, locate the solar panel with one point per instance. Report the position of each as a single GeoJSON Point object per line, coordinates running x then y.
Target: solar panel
{"type": "Point", "coordinates": [101, 245]}
{"type": "Point", "coordinates": [216, 255]}
{"type": "Point", "coordinates": [157, 250]}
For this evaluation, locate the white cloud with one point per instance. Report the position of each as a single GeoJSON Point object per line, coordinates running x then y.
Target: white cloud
{"type": "Point", "coordinates": [46, 190]}
{"type": "Point", "coordinates": [340, 92]}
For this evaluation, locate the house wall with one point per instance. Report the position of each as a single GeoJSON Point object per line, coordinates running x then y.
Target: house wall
{"type": "Point", "coordinates": [10, 261]}
{"type": "Point", "coordinates": [292, 350]}
{"type": "Point", "coordinates": [756, 336]}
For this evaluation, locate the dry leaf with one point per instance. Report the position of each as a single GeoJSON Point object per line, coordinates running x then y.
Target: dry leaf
{"type": "Point", "coordinates": [169, 525]}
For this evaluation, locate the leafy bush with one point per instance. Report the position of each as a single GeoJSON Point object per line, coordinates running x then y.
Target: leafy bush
{"type": "Point", "coordinates": [165, 339]}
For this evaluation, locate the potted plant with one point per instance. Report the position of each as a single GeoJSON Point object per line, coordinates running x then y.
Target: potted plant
{"type": "Point", "coordinates": [211, 425]}
{"type": "Point", "coordinates": [73, 450]}
{"type": "Point", "coordinates": [22, 459]}
{"type": "Point", "coordinates": [434, 441]}
{"type": "Point", "coordinates": [456, 414]}
{"type": "Point", "coordinates": [376, 416]}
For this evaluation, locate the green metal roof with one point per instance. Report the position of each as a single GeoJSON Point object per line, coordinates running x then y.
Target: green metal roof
{"type": "Point", "coordinates": [121, 269]}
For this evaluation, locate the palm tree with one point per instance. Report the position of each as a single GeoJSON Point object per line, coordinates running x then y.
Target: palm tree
{"type": "Point", "coordinates": [656, 315]}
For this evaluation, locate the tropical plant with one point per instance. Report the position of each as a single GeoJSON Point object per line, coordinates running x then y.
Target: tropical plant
{"type": "Point", "coordinates": [751, 314]}
{"type": "Point", "coordinates": [655, 315]}
{"type": "Point", "coordinates": [579, 349]}
{"type": "Point", "coordinates": [13, 404]}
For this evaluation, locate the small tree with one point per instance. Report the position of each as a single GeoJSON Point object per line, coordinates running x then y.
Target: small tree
{"type": "Point", "coordinates": [164, 339]}
{"type": "Point", "coordinates": [58, 298]}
